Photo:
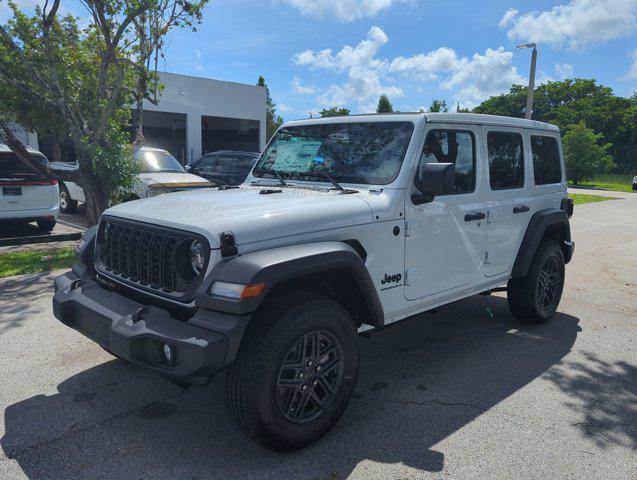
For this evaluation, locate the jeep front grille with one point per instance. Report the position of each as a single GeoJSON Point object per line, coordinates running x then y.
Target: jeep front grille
{"type": "Point", "coordinates": [145, 255]}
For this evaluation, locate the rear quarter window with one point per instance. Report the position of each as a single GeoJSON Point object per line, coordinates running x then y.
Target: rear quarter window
{"type": "Point", "coordinates": [547, 167]}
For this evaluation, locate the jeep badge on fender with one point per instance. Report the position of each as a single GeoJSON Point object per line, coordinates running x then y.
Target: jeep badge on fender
{"type": "Point", "coordinates": [391, 278]}
{"type": "Point", "coordinates": [274, 278]}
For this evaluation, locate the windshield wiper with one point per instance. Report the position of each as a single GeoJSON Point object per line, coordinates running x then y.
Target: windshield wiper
{"type": "Point", "coordinates": [273, 172]}
{"type": "Point", "coordinates": [323, 173]}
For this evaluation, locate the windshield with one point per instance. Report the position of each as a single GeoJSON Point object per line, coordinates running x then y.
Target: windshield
{"type": "Point", "coordinates": [365, 152]}
{"type": "Point", "coordinates": [158, 161]}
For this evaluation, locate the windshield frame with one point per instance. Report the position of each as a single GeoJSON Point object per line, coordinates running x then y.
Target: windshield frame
{"type": "Point", "coordinates": [312, 177]}
{"type": "Point", "coordinates": [140, 156]}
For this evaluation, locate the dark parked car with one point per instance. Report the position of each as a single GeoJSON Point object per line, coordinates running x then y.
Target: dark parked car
{"type": "Point", "coordinates": [225, 167]}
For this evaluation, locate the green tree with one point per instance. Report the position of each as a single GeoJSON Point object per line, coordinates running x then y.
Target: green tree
{"type": "Point", "coordinates": [272, 120]}
{"type": "Point", "coordinates": [151, 27]}
{"type": "Point", "coordinates": [384, 105]}
{"type": "Point", "coordinates": [83, 81]}
{"type": "Point", "coordinates": [334, 112]}
{"type": "Point", "coordinates": [570, 102]}
{"type": "Point", "coordinates": [438, 106]}
{"type": "Point", "coordinates": [584, 155]}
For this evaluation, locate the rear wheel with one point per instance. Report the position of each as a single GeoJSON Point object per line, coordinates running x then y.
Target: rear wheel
{"type": "Point", "coordinates": [295, 372]}
{"type": "Point", "coordinates": [67, 205]}
{"type": "Point", "coordinates": [46, 225]}
{"type": "Point", "coordinates": [535, 297]}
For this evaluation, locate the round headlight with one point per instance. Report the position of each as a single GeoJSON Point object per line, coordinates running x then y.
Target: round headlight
{"type": "Point", "coordinates": [197, 256]}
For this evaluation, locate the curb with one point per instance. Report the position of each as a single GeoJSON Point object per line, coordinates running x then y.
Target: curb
{"type": "Point", "coordinates": [62, 237]}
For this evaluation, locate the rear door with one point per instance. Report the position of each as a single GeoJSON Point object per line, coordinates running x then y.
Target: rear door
{"type": "Point", "coordinates": [508, 199]}
{"type": "Point", "coordinates": [23, 189]}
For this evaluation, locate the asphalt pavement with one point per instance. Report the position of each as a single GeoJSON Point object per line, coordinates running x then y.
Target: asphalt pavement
{"type": "Point", "coordinates": [465, 393]}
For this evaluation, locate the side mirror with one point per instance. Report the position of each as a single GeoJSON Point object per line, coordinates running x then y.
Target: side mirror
{"type": "Point", "coordinates": [434, 179]}
{"type": "Point", "coordinates": [188, 168]}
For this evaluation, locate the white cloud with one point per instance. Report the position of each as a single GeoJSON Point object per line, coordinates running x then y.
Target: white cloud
{"type": "Point", "coordinates": [443, 59]}
{"type": "Point", "coordinates": [363, 68]}
{"type": "Point", "coordinates": [343, 10]}
{"type": "Point", "coordinates": [298, 87]}
{"type": "Point", "coordinates": [483, 76]}
{"type": "Point", "coordinates": [632, 71]}
{"type": "Point", "coordinates": [578, 23]}
{"type": "Point", "coordinates": [471, 79]}
{"type": "Point", "coordinates": [508, 17]}
{"type": "Point", "coordinates": [198, 65]}
{"type": "Point", "coordinates": [281, 107]}
{"type": "Point", "coordinates": [565, 70]}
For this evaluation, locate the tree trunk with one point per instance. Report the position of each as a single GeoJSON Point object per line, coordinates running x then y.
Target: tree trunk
{"type": "Point", "coordinates": [57, 149]}
{"type": "Point", "coordinates": [139, 118]}
{"type": "Point", "coordinates": [96, 201]}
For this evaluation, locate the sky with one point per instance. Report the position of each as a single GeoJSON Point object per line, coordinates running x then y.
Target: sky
{"type": "Point", "coordinates": [321, 53]}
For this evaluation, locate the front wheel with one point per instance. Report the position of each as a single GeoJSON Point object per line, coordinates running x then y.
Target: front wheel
{"type": "Point", "coordinates": [295, 372]}
{"type": "Point", "coordinates": [67, 204]}
{"type": "Point", "coordinates": [535, 297]}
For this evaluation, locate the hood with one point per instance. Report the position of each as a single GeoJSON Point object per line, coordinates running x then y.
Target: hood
{"type": "Point", "coordinates": [250, 215]}
{"type": "Point", "coordinates": [171, 179]}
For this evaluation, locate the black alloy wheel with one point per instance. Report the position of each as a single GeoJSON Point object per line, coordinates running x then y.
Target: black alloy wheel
{"type": "Point", "coordinates": [309, 377]}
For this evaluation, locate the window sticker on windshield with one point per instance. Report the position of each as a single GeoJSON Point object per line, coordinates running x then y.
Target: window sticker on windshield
{"type": "Point", "coordinates": [318, 159]}
{"type": "Point", "coordinates": [297, 156]}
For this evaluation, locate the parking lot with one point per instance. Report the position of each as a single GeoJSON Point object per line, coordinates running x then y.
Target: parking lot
{"type": "Point", "coordinates": [467, 392]}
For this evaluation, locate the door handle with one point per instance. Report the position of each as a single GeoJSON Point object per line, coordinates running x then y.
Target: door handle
{"type": "Point", "coordinates": [520, 209]}
{"type": "Point", "coordinates": [470, 217]}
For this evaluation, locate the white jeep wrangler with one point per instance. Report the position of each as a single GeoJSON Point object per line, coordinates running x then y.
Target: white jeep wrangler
{"type": "Point", "coordinates": [344, 225]}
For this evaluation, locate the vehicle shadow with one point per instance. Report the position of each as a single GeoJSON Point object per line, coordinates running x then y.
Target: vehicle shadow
{"type": "Point", "coordinates": [419, 382]}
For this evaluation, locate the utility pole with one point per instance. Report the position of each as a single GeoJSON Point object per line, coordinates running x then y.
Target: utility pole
{"type": "Point", "coordinates": [529, 97]}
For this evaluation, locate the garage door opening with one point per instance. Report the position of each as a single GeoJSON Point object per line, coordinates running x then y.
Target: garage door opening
{"type": "Point", "coordinates": [166, 130]}
{"type": "Point", "coordinates": [219, 133]}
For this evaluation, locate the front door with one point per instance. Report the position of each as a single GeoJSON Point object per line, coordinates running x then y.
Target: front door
{"type": "Point", "coordinates": [445, 238]}
{"type": "Point", "coordinates": [508, 201]}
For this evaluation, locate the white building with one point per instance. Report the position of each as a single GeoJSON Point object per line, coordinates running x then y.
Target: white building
{"type": "Point", "coordinates": [197, 115]}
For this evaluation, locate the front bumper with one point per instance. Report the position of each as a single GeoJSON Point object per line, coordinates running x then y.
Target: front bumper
{"type": "Point", "coordinates": [135, 332]}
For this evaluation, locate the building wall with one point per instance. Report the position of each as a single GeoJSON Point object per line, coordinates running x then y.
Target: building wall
{"type": "Point", "coordinates": [196, 97]}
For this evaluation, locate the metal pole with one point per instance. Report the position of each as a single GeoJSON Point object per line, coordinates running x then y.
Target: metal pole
{"type": "Point", "coordinates": [529, 97]}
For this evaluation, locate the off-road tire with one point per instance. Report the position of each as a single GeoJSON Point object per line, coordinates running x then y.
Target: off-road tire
{"type": "Point", "coordinates": [524, 293]}
{"type": "Point", "coordinates": [252, 381]}
{"type": "Point", "coordinates": [67, 205]}
{"type": "Point", "coordinates": [46, 225]}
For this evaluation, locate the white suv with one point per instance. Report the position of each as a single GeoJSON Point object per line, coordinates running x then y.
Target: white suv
{"type": "Point", "coordinates": [344, 225]}
{"type": "Point", "coordinates": [160, 173]}
{"type": "Point", "coordinates": [27, 196]}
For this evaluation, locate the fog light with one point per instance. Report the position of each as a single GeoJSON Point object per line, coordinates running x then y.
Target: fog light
{"type": "Point", "coordinates": [169, 353]}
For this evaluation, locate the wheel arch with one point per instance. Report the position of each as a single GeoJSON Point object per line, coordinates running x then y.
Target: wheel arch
{"type": "Point", "coordinates": [334, 269]}
{"type": "Point", "coordinates": [549, 223]}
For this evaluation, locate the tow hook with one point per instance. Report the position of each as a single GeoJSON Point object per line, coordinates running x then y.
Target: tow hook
{"type": "Point", "coordinates": [139, 314]}
{"type": "Point", "coordinates": [74, 284]}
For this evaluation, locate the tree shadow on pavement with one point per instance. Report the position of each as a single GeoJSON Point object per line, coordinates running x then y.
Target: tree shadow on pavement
{"type": "Point", "coordinates": [605, 396]}
{"type": "Point", "coordinates": [419, 382]}
{"type": "Point", "coordinates": [14, 290]}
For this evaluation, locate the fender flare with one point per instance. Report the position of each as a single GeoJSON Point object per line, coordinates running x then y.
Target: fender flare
{"type": "Point", "coordinates": [540, 222]}
{"type": "Point", "coordinates": [286, 263]}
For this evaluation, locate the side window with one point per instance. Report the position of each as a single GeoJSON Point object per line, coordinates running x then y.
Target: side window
{"type": "Point", "coordinates": [452, 146]}
{"type": "Point", "coordinates": [506, 160]}
{"type": "Point", "coordinates": [546, 160]}
{"type": "Point", "coordinates": [205, 162]}
{"type": "Point", "coordinates": [223, 164]}
{"type": "Point", "coordinates": [242, 164]}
